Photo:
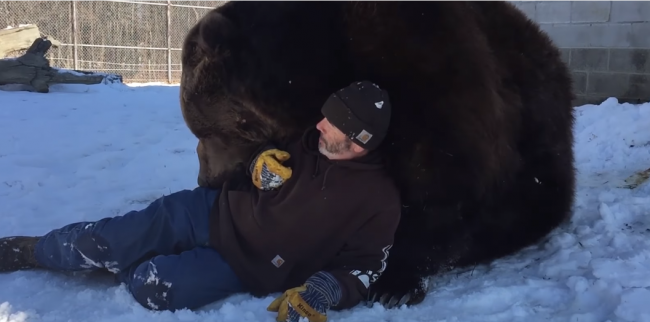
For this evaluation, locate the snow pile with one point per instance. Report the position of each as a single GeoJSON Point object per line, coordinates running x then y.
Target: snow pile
{"type": "Point", "coordinates": [87, 152]}
{"type": "Point", "coordinates": [14, 27]}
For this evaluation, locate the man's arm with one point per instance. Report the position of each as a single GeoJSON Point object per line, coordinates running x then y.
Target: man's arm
{"type": "Point", "coordinates": [363, 259]}
{"type": "Point", "coordinates": [345, 281]}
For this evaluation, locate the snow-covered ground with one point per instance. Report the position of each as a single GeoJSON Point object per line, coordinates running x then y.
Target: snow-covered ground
{"type": "Point", "coordinates": [86, 152]}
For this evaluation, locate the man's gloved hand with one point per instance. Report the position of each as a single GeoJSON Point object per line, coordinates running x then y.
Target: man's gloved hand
{"type": "Point", "coordinates": [268, 172]}
{"type": "Point", "coordinates": [312, 299]}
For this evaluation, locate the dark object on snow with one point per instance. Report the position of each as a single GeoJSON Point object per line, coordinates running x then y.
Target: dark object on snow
{"type": "Point", "coordinates": [636, 179]}
{"type": "Point", "coordinates": [17, 253]}
{"type": "Point", "coordinates": [481, 137]}
{"type": "Point", "coordinates": [34, 69]}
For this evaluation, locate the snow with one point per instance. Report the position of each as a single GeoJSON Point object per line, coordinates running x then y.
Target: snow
{"type": "Point", "coordinates": [85, 152]}
{"type": "Point", "coordinates": [14, 27]}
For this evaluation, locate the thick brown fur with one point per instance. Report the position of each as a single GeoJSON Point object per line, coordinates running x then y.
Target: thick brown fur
{"type": "Point", "coordinates": [481, 136]}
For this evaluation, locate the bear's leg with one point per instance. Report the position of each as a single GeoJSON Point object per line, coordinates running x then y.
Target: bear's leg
{"type": "Point", "coordinates": [418, 254]}
{"type": "Point", "coordinates": [430, 240]}
{"type": "Point", "coordinates": [398, 285]}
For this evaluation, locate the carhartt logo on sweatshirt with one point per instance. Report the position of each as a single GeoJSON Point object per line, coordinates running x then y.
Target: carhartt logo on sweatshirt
{"type": "Point", "coordinates": [277, 261]}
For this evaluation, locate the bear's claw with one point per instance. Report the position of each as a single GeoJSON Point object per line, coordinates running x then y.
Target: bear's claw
{"type": "Point", "coordinates": [389, 300]}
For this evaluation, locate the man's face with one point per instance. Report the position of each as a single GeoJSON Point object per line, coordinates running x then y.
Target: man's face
{"type": "Point", "coordinates": [334, 144]}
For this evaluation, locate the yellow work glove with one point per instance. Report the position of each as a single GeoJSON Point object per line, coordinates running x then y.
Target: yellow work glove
{"type": "Point", "coordinates": [291, 306]}
{"type": "Point", "coordinates": [268, 172]}
{"type": "Point", "coordinates": [311, 300]}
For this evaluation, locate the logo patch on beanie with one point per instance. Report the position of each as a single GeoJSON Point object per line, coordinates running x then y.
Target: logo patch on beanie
{"type": "Point", "coordinates": [379, 104]}
{"type": "Point", "coordinates": [277, 261]}
{"type": "Point", "coordinates": [364, 136]}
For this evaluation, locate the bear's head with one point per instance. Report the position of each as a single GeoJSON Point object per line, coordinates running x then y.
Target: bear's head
{"type": "Point", "coordinates": [246, 80]}
{"type": "Point", "coordinates": [260, 71]}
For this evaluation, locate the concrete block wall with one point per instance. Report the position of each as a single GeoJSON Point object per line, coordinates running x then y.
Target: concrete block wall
{"type": "Point", "coordinates": [606, 44]}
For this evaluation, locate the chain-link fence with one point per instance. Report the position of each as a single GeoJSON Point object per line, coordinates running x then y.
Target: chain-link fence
{"type": "Point", "coordinates": [140, 40]}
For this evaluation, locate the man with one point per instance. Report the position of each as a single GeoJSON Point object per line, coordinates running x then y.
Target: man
{"type": "Point", "coordinates": [315, 222]}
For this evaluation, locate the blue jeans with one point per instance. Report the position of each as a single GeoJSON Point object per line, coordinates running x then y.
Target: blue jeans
{"type": "Point", "coordinates": [161, 252]}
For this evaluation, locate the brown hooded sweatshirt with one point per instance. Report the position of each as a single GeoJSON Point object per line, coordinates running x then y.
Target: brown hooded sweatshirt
{"type": "Point", "coordinates": [336, 216]}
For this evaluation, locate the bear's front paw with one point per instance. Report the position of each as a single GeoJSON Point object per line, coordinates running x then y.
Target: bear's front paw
{"type": "Point", "coordinates": [391, 294]}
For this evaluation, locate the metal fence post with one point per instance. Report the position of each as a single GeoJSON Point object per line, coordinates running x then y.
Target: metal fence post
{"type": "Point", "coordinates": [169, 42]}
{"type": "Point", "coordinates": [75, 58]}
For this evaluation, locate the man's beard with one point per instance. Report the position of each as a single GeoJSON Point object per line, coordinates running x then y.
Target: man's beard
{"type": "Point", "coordinates": [333, 149]}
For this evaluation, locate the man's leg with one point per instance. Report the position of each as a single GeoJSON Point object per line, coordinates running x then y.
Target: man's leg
{"type": "Point", "coordinates": [189, 280]}
{"type": "Point", "coordinates": [168, 225]}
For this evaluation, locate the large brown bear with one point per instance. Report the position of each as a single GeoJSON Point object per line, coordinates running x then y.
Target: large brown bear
{"type": "Point", "coordinates": [481, 137]}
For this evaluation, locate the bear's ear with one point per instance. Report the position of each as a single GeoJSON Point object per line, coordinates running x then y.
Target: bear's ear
{"type": "Point", "coordinates": [216, 32]}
